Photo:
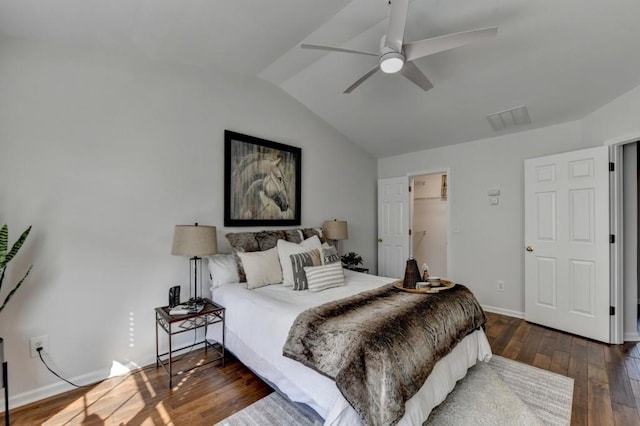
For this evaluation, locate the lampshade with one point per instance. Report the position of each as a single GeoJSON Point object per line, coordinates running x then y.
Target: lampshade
{"type": "Point", "coordinates": [336, 230]}
{"type": "Point", "coordinates": [194, 240]}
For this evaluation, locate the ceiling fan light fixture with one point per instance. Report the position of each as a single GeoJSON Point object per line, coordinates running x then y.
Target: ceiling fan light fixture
{"type": "Point", "coordinates": [391, 62]}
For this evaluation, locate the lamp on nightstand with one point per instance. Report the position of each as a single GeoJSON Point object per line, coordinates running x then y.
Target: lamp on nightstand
{"type": "Point", "coordinates": [335, 230]}
{"type": "Point", "coordinates": [195, 241]}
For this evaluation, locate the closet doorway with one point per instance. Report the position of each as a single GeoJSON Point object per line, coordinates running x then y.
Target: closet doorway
{"type": "Point", "coordinates": [429, 221]}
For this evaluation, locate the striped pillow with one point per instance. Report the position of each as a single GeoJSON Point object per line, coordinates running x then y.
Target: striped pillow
{"type": "Point", "coordinates": [298, 262]}
{"type": "Point", "coordinates": [323, 277]}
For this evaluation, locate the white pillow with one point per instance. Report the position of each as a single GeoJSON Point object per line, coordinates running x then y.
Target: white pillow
{"type": "Point", "coordinates": [222, 269]}
{"type": "Point", "coordinates": [261, 267]}
{"type": "Point", "coordinates": [287, 248]}
{"type": "Point", "coordinates": [325, 276]}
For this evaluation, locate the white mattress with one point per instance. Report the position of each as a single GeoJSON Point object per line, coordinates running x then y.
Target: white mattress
{"type": "Point", "coordinates": [257, 326]}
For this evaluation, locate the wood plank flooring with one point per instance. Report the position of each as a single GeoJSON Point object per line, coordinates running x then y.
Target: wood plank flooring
{"type": "Point", "coordinates": [607, 385]}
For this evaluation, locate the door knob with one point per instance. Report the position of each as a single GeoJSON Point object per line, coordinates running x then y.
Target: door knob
{"type": "Point", "coordinates": [379, 240]}
{"type": "Point", "coordinates": [529, 248]}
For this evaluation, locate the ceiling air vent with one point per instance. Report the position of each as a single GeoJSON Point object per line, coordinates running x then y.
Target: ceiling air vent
{"type": "Point", "coordinates": [510, 118]}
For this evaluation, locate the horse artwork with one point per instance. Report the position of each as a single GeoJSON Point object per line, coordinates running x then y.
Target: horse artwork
{"type": "Point", "coordinates": [262, 182]}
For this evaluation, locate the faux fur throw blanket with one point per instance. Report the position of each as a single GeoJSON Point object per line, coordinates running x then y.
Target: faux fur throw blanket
{"type": "Point", "coordinates": [381, 345]}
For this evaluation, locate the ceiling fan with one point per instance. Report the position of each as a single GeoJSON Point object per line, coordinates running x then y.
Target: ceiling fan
{"type": "Point", "coordinates": [397, 56]}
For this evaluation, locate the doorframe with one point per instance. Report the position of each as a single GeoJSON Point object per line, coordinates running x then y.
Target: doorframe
{"type": "Point", "coordinates": [617, 253]}
{"type": "Point", "coordinates": [435, 170]}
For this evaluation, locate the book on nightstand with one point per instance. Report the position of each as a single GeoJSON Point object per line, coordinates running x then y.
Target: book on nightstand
{"type": "Point", "coordinates": [185, 309]}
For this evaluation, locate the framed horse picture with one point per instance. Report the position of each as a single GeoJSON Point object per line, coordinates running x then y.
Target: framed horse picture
{"type": "Point", "coordinates": [262, 182]}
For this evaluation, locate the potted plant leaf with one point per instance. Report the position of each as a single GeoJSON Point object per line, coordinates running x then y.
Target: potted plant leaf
{"type": "Point", "coordinates": [5, 257]}
{"type": "Point", "coordinates": [351, 260]}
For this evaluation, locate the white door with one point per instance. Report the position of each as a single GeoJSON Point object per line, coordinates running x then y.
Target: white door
{"type": "Point", "coordinates": [567, 242]}
{"type": "Point", "coordinates": [393, 220]}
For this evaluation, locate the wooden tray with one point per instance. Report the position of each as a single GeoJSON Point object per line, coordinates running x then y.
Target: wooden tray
{"type": "Point", "coordinates": [444, 285]}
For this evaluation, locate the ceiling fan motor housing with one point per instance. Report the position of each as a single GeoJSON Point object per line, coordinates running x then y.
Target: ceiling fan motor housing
{"type": "Point", "coordinates": [391, 62]}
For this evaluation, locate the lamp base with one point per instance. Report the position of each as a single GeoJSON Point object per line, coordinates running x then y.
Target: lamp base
{"type": "Point", "coordinates": [196, 301]}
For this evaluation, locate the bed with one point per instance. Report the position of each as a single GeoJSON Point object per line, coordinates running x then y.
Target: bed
{"type": "Point", "coordinates": [258, 322]}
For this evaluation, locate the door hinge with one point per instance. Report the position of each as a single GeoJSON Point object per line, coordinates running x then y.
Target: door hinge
{"type": "Point", "coordinates": [612, 310]}
{"type": "Point", "coordinates": [409, 231]}
{"type": "Point", "coordinates": [612, 167]}
{"type": "Point", "coordinates": [409, 188]}
{"type": "Point", "coordinates": [612, 239]}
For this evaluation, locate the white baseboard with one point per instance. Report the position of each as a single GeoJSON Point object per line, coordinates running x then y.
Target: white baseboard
{"type": "Point", "coordinates": [502, 311]}
{"type": "Point", "coordinates": [59, 387]}
{"type": "Point", "coordinates": [631, 336]}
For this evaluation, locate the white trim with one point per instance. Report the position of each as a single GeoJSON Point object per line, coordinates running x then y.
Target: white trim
{"type": "Point", "coordinates": [502, 311]}
{"type": "Point", "coordinates": [631, 337]}
{"type": "Point", "coordinates": [60, 386]}
{"type": "Point", "coordinates": [621, 140]}
{"type": "Point", "coordinates": [616, 250]}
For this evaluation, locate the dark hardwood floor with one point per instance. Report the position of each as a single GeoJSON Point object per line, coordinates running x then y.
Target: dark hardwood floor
{"type": "Point", "coordinates": [607, 385]}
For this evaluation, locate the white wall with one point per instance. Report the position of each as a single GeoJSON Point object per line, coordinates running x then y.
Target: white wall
{"type": "Point", "coordinates": [103, 155]}
{"type": "Point", "coordinates": [489, 244]}
{"type": "Point", "coordinates": [616, 121]}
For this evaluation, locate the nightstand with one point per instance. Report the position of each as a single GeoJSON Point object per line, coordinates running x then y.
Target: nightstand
{"type": "Point", "coordinates": [212, 313]}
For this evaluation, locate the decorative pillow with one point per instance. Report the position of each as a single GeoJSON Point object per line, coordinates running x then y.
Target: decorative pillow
{"type": "Point", "coordinates": [294, 235]}
{"type": "Point", "coordinates": [323, 277]}
{"type": "Point", "coordinates": [269, 239]}
{"type": "Point", "coordinates": [262, 268]}
{"type": "Point", "coordinates": [244, 242]}
{"type": "Point", "coordinates": [298, 262]}
{"type": "Point", "coordinates": [330, 255]}
{"type": "Point", "coordinates": [310, 232]}
{"type": "Point", "coordinates": [223, 269]}
{"type": "Point", "coordinates": [286, 249]}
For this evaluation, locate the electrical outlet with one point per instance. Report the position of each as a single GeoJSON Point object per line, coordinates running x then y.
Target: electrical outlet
{"type": "Point", "coordinates": [39, 342]}
{"type": "Point", "coordinates": [500, 285]}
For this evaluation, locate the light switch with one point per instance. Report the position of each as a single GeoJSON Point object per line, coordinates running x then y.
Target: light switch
{"type": "Point", "coordinates": [494, 192]}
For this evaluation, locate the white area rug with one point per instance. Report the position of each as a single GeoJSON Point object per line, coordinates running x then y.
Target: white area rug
{"type": "Point", "coordinates": [502, 392]}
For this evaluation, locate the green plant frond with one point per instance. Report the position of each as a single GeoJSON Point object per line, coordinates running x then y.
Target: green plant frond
{"type": "Point", "coordinates": [17, 245]}
{"type": "Point", "coordinates": [12, 292]}
{"type": "Point", "coordinates": [4, 237]}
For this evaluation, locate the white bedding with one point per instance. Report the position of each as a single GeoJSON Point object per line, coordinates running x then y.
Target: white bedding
{"type": "Point", "coordinates": [257, 325]}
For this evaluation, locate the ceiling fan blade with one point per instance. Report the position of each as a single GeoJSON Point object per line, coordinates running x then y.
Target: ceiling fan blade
{"type": "Point", "coordinates": [336, 49]}
{"type": "Point", "coordinates": [361, 80]}
{"type": "Point", "coordinates": [413, 74]}
{"type": "Point", "coordinates": [395, 27]}
{"type": "Point", "coordinates": [419, 49]}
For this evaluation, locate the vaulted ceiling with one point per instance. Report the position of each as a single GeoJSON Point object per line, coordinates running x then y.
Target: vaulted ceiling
{"type": "Point", "coordinates": [561, 59]}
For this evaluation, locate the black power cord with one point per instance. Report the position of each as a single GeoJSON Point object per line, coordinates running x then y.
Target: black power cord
{"type": "Point", "coordinates": [59, 376]}
{"type": "Point", "coordinates": [99, 381]}
{"type": "Point", "coordinates": [90, 384]}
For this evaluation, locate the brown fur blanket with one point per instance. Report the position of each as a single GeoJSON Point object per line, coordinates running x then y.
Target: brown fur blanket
{"type": "Point", "coordinates": [381, 345]}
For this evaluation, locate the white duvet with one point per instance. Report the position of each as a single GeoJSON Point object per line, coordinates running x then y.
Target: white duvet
{"type": "Point", "coordinates": [257, 325]}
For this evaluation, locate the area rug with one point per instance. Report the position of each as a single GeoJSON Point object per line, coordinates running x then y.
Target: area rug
{"type": "Point", "coordinates": [501, 392]}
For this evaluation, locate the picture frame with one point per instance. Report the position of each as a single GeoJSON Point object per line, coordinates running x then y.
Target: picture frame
{"type": "Point", "coordinates": [262, 182]}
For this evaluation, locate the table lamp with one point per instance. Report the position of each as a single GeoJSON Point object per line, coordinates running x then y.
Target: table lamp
{"type": "Point", "coordinates": [194, 241]}
{"type": "Point", "coordinates": [335, 230]}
